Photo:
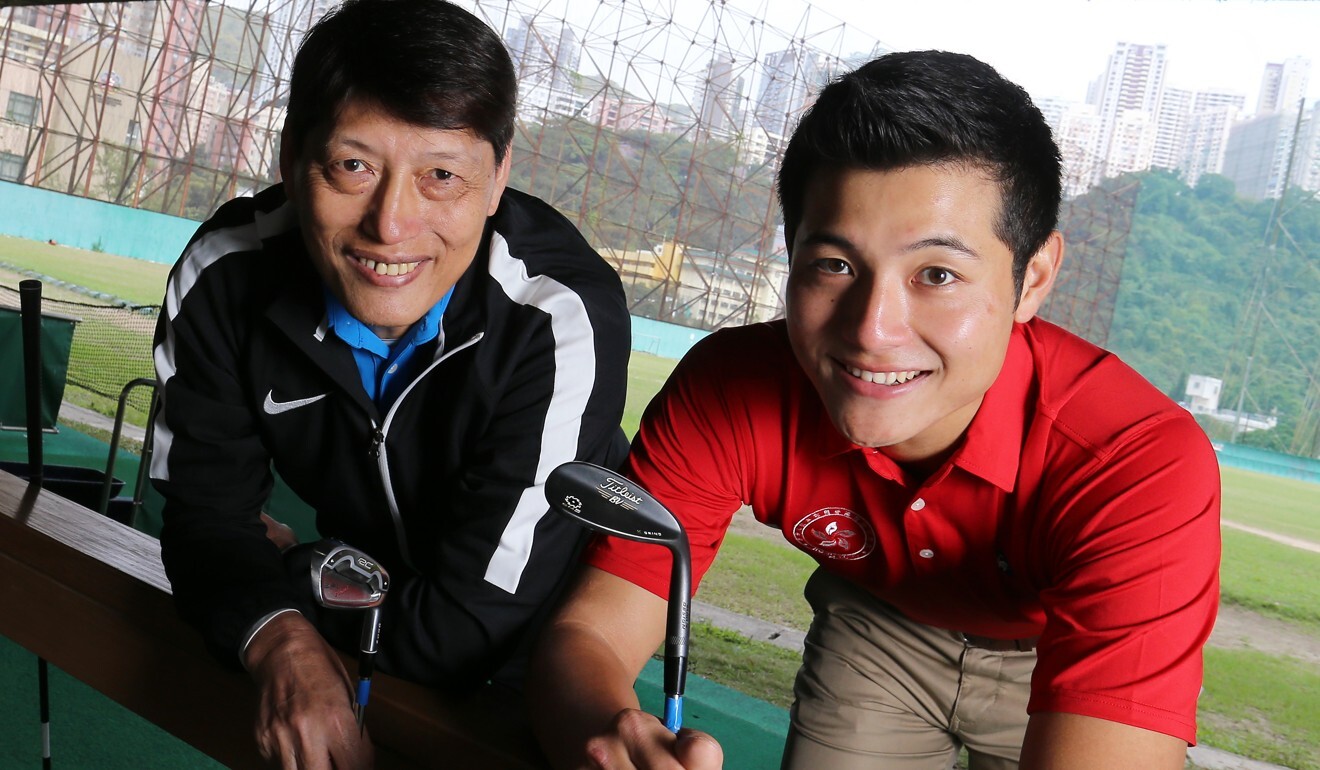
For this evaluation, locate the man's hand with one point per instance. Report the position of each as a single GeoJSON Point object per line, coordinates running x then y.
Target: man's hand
{"type": "Point", "coordinates": [639, 740]}
{"type": "Point", "coordinates": [305, 717]}
{"type": "Point", "coordinates": [279, 533]}
{"type": "Point", "coordinates": [580, 686]}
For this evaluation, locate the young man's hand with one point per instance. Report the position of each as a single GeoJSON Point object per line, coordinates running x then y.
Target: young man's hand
{"type": "Point", "coordinates": [638, 740]}
{"type": "Point", "coordinates": [580, 687]}
{"type": "Point", "coordinates": [305, 717]}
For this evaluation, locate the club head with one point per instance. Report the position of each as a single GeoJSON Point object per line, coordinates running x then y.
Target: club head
{"type": "Point", "coordinates": [607, 502]}
{"type": "Point", "coordinates": [345, 578]}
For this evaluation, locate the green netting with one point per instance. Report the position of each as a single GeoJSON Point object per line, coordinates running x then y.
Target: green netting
{"type": "Point", "coordinates": [111, 344]}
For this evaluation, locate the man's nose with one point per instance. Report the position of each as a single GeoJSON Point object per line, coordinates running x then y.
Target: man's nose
{"type": "Point", "coordinates": [876, 313]}
{"type": "Point", "coordinates": [395, 212]}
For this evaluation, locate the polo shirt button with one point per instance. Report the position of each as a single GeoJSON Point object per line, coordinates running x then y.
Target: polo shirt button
{"type": "Point", "coordinates": [918, 504]}
{"type": "Point", "coordinates": [926, 553]}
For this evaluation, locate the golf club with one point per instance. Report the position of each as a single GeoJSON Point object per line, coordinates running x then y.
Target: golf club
{"type": "Point", "coordinates": [345, 578]}
{"type": "Point", "coordinates": [604, 501]}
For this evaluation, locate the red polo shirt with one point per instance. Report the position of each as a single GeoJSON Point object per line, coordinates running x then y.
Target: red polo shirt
{"type": "Point", "coordinates": [1081, 507]}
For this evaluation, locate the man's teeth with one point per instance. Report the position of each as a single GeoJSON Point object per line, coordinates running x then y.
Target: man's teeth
{"type": "Point", "coordinates": [391, 268]}
{"type": "Point", "coordinates": [883, 378]}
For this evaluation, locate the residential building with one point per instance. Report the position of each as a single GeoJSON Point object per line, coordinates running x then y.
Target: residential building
{"type": "Point", "coordinates": [1282, 85]}
{"type": "Point", "coordinates": [1128, 98]}
{"type": "Point", "coordinates": [790, 81]}
{"type": "Point", "coordinates": [545, 59]}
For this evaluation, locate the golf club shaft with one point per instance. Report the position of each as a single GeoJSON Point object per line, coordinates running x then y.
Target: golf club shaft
{"type": "Point", "coordinates": [43, 687]}
{"type": "Point", "coordinates": [366, 662]}
{"type": "Point", "coordinates": [676, 632]}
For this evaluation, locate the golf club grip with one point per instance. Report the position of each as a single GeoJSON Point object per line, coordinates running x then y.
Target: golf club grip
{"type": "Point", "coordinates": [29, 302]}
{"type": "Point", "coordinates": [674, 713]}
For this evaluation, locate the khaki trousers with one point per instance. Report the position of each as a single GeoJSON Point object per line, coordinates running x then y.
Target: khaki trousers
{"type": "Point", "coordinates": [877, 690]}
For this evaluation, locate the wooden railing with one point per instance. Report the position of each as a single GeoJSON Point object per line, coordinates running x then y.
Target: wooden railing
{"type": "Point", "coordinates": [90, 596]}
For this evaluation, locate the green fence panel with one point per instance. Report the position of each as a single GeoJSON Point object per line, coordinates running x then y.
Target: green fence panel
{"type": "Point", "coordinates": [1264, 461]}
{"type": "Point", "coordinates": [56, 341]}
{"type": "Point", "coordinates": [45, 215]}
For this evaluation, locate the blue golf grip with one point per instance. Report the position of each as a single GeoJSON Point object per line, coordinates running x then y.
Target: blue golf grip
{"type": "Point", "coordinates": [674, 712]}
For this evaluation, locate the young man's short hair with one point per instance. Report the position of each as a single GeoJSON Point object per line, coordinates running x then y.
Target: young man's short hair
{"type": "Point", "coordinates": [426, 62]}
{"type": "Point", "coordinates": [922, 108]}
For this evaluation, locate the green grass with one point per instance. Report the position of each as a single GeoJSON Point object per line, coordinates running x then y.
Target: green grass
{"type": "Point", "coordinates": [646, 373]}
{"type": "Point", "coordinates": [1271, 578]}
{"type": "Point", "coordinates": [135, 280]}
{"type": "Point", "coordinates": [1263, 707]}
{"type": "Point", "coordinates": [761, 578]}
{"type": "Point", "coordinates": [753, 668]}
{"type": "Point", "coordinates": [1286, 506]}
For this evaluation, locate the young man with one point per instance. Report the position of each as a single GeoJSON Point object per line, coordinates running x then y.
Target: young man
{"type": "Point", "coordinates": [413, 347]}
{"type": "Point", "coordinates": [1018, 536]}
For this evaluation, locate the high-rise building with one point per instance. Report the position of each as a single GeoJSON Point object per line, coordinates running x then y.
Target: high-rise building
{"type": "Point", "coordinates": [545, 60]}
{"type": "Point", "coordinates": [1257, 155]}
{"type": "Point", "coordinates": [1076, 129]}
{"type": "Point", "coordinates": [1131, 87]}
{"type": "Point", "coordinates": [790, 81]}
{"type": "Point", "coordinates": [1260, 150]}
{"type": "Point", "coordinates": [721, 98]}
{"type": "Point", "coordinates": [1207, 139]}
{"type": "Point", "coordinates": [1171, 122]}
{"type": "Point", "coordinates": [289, 22]}
{"type": "Point", "coordinates": [1306, 164]}
{"type": "Point", "coordinates": [1283, 85]}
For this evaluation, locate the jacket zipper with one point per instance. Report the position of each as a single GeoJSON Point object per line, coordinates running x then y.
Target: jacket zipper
{"type": "Point", "coordinates": [377, 450]}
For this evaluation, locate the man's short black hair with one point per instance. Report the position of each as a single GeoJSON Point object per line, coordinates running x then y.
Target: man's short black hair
{"type": "Point", "coordinates": [426, 62]}
{"type": "Point", "coordinates": [921, 108]}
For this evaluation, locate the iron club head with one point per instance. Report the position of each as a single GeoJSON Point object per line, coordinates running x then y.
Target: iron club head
{"type": "Point", "coordinates": [344, 577]}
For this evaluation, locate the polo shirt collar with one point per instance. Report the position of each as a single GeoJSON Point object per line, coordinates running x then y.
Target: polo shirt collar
{"type": "Point", "coordinates": [992, 446]}
{"type": "Point", "coordinates": [359, 335]}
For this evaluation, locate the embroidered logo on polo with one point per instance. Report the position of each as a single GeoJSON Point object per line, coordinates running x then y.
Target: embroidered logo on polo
{"type": "Point", "coordinates": [836, 533]}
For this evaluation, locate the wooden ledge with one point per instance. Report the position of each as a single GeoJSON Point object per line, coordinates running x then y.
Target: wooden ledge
{"type": "Point", "coordinates": [90, 596]}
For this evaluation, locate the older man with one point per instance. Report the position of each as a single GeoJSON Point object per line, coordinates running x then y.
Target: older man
{"type": "Point", "coordinates": [413, 347]}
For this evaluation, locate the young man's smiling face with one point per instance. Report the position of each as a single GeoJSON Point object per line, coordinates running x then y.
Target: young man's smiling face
{"type": "Point", "coordinates": [901, 301]}
{"type": "Point", "coordinates": [393, 213]}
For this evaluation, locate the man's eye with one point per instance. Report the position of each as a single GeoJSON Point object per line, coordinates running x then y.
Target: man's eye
{"type": "Point", "coordinates": [833, 266]}
{"type": "Point", "coordinates": [937, 276]}
{"type": "Point", "coordinates": [352, 165]}
{"type": "Point", "coordinates": [441, 174]}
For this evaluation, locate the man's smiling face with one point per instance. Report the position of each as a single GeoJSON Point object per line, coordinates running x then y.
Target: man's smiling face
{"type": "Point", "coordinates": [393, 213]}
{"type": "Point", "coordinates": [901, 301]}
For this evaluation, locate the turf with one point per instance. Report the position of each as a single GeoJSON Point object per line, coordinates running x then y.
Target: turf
{"type": "Point", "coordinates": [1282, 505]}
{"type": "Point", "coordinates": [1263, 707]}
{"type": "Point", "coordinates": [134, 280]}
{"type": "Point", "coordinates": [1271, 578]}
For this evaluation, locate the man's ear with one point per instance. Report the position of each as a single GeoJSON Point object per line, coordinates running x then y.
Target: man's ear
{"type": "Point", "coordinates": [501, 180]}
{"type": "Point", "coordinates": [1039, 277]}
{"type": "Point", "coordinates": [288, 163]}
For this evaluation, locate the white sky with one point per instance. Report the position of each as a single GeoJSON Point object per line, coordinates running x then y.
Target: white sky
{"type": "Point", "coordinates": [1053, 48]}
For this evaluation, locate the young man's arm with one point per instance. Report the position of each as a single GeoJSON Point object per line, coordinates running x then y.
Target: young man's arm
{"type": "Point", "coordinates": [580, 688]}
{"type": "Point", "coordinates": [1058, 741]}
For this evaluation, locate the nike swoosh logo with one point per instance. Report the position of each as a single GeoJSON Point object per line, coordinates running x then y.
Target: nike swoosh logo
{"type": "Point", "coordinates": [276, 407]}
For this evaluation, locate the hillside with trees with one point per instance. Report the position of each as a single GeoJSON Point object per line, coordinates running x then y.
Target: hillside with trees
{"type": "Point", "coordinates": [1214, 284]}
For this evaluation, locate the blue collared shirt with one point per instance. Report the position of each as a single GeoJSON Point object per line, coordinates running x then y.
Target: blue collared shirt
{"type": "Point", "coordinates": [384, 367]}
